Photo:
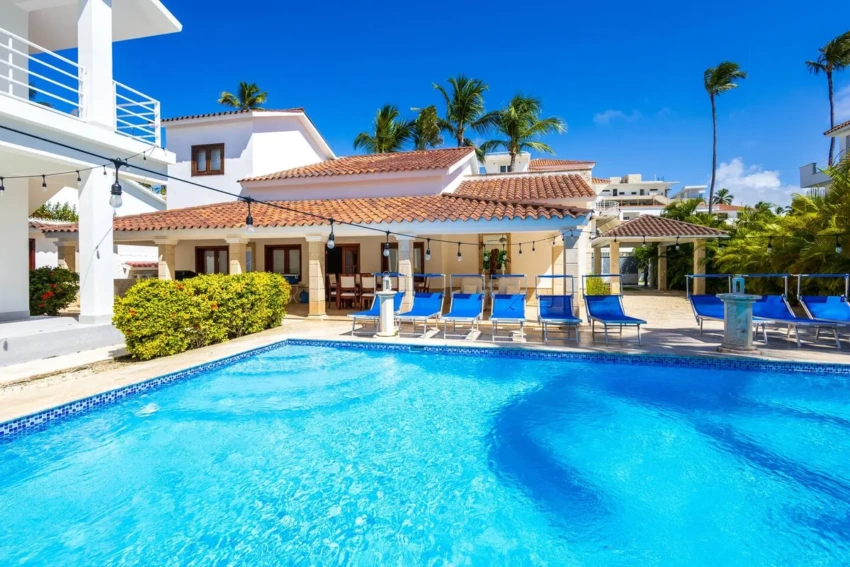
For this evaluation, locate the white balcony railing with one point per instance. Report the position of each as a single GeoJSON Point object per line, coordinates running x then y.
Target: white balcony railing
{"type": "Point", "coordinates": [137, 115]}
{"type": "Point", "coordinates": [44, 78]}
{"type": "Point", "coordinates": [41, 77]}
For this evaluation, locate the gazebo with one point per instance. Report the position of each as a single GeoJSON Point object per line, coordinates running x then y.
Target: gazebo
{"type": "Point", "coordinates": [648, 229]}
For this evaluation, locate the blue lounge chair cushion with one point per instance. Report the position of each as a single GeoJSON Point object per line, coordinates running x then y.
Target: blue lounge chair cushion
{"type": "Point", "coordinates": [425, 306]}
{"type": "Point", "coordinates": [608, 309]}
{"type": "Point", "coordinates": [374, 312]}
{"type": "Point", "coordinates": [508, 307]}
{"type": "Point", "coordinates": [774, 308]}
{"type": "Point", "coordinates": [466, 306]}
{"type": "Point", "coordinates": [828, 307]}
{"type": "Point", "coordinates": [557, 308]}
{"type": "Point", "coordinates": [707, 306]}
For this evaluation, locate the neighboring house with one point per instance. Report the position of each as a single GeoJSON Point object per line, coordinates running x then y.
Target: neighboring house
{"type": "Point", "coordinates": [88, 112]}
{"type": "Point", "coordinates": [137, 199]}
{"type": "Point", "coordinates": [812, 174]}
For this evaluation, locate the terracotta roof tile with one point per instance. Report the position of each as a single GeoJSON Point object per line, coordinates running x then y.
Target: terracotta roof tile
{"type": "Point", "coordinates": [374, 163]}
{"type": "Point", "coordinates": [134, 264]}
{"type": "Point", "coordinates": [546, 163]}
{"type": "Point", "coordinates": [229, 112]}
{"type": "Point", "coordinates": [837, 127]}
{"type": "Point", "coordinates": [526, 187]}
{"type": "Point", "coordinates": [600, 180]}
{"type": "Point", "coordinates": [46, 223]}
{"type": "Point", "coordinates": [661, 227]}
{"type": "Point", "coordinates": [360, 211]}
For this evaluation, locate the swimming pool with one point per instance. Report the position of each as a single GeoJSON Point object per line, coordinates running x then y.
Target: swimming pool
{"type": "Point", "coordinates": [305, 454]}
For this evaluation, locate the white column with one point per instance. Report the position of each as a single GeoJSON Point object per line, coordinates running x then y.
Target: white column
{"type": "Point", "coordinates": [14, 251]}
{"type": "Point", "coordinates": [614, 262]}
{"type": "Point", "coordinates": [94, 53]}
{"type": "Point", "coordinates": [237, 255]}
{"type": "Point", "coordinates": [167, 248]}
{"type": "Point", "coordinates": [316, 275]}
{"type": "Point", "coordinates": [96, 266]}
{"type": "Point", "coordinates": [405, 268]}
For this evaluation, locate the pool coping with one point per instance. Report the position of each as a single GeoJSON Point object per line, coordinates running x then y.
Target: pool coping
{"type": "Point", "coordinates": [40, 420]}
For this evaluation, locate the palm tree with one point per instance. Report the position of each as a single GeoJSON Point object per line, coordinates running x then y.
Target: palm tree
{"type": "Point", "coordinates": [249, 97]}
{"type": "Point", "coordinates": [719, 80]}
{"type": "Point", "coordinates": [389, 134]}
{"type": "Point", "coordinates": [426, 129]}
{"type": "Point", "coordinates": [834, 56]}
{"type": "Point", "coordinates": [464, 108]}
{"type": "Point", "coordinates": [723, 197]}
{"type": "Point", "coordinates": [520, 124]}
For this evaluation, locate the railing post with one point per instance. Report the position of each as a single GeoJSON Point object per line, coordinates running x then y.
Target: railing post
{"type": "Point", "coordinates": [157, 126]}
{"type": "Point", "coordinates": [81, 93]}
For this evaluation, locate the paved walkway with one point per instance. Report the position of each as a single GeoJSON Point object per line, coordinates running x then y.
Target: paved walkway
{"type": "Point", "coordinates": [671, 330]}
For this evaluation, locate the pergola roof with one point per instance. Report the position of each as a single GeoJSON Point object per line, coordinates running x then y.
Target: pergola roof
{"type": "Point", "coordinates": [650, 228]}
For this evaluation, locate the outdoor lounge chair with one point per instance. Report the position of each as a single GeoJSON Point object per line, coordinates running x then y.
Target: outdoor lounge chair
{"type": "Point", "coordinates": [374, 312]}
{"type": "Point", "coordinates": [426, 305]}
{"type": "Point", "coordinates": [556, 309]}
{"type": "Point", "coordinates": [775, 309]}
{"type": "Point", "coordinates": [608, 311]}
{"type": "Point", "coordinates": [826, 307]}
{"type": "Point", "coordinates": [706, 307]}
{"type": "Point", "coordinates": [508, 303]}
{"type": "Point", "coordinates": [465, 308]}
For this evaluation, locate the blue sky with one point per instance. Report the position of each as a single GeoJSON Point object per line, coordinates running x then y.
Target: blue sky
{"type": "Point", "coordinates": [626, 76]}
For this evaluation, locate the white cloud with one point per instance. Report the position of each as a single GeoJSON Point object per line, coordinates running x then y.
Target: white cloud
{"type": "Point", "coordinates": [664, 112]}
{"type": "Point", "coordinates": [609, 116]}
{"type": "Point", "coordinates": [751, 184]}
{"type": "Point", "coordinates": [842, 104]}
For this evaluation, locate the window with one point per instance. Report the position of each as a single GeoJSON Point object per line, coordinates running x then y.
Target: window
{"type": "Point", "coordinates": [504, 169]}
{"type": "Point", "coordinates": [212, 260]}
{"type": "Point", "coordinates": [284, 259]}
{"type": "Point", "coordinates": [208, 159]}
{"type": "Point", "coordinates": [391, 264]}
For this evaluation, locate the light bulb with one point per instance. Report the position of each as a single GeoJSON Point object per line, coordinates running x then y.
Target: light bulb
{"type": "Point", "coordinates": [428, 254]}
{"type": "Point", "coordinates": [115, 201]}
{"type": "Point", "coordinates": [386, 250]}
{"type": "Point", "coordinates": [331, 241]}
{"type": "Point", "coordinates": [459, 256]}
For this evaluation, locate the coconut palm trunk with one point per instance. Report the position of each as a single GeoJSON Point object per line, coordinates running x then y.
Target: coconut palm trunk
{"type": "Point", "coordinates": [831, 114]}
{"type": "Point", "coordinates": [713, 154]}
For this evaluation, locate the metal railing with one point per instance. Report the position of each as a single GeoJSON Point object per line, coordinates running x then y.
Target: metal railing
{"type": "Point", "coordinates": [136, 115]}
{"type": "Point", "coordinates": [43, 78]}
{"type": "Point", "coordinates": [608, 208]}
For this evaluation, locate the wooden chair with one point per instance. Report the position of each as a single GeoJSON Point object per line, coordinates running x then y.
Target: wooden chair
{"type": "Point", "coordinates": [332, 288]}
{"type": "Point", "coordinates": [347, 290]}
{"type": "Point", "coordinates": [367, 290]}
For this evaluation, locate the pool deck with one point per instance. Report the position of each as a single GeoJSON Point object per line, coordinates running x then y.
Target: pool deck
{"type": "Point", "coordinates": [36, 386]}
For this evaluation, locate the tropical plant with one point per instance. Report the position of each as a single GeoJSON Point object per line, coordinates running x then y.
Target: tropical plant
{"type": "Point", "coordinates": [248, 97]}
{"type": "Point", "coordinates": [52, 289]}
{"type": "Point", "coordinates": [718, 80]}
{"type": "Point", "coordinates": [426, 129]}
{"type": "Point", "coordinates": [723, 197]}
{"type": "Point", "coordinates": [520, 125]}
{"type": "Point", "coordinates": [464, 101]}
{"type": "Point", "coordinates": [832, 57]}
{"type": "Point", "coordinates": [389, 132]}
{"type": "Point", "coordinates": [57, 211]}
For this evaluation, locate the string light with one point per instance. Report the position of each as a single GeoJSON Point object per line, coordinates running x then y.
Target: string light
{"type": "Point", "coordinates": [115, 200]}
{"type": "Point", "coordinates": [428, 250]}
{"type": "Point", "coordinates": [459, 255]}
{"type": "Point", "coordinates": [2, 186]}
{"type": "Point", "coordinates": [677, 243]}
{"type": "Point", "coordinates": [331, 240]}
{"type": "Point", "coordinates": [249, 220]}
{"type": "Point", "coordinates": [387, 246]}
{"type": "Point", "coordinates": [532, 247]}
{"type": "Point", "coordinates": [838, 248]}
{"type": "Point", "coordinates": [770, 245]}
{"type": "Point", "coordinates": [79, 179]}
{"type": "Point", "coordinates": [520, 248]}
{"type": "Point", "coordinates": [104, 170]}
{"type": "Point", "coordinates": [44, 183]}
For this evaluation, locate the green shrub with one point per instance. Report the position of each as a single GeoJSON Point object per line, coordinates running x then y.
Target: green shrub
{"type": "Point", "coordinates": [161, 318]}
{"type": "Point", "coordinates": [596, 286]}
{"type": "Point", "coordinates": [52, 289]}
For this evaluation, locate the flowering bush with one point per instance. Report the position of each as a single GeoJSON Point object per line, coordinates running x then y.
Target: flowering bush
{"type": "Point", "coordinates": [52, 289]}
{"type": "Point", "coordinates": [163, 317]}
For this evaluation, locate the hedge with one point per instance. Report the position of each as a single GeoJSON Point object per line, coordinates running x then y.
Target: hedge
{"type": "Point", "coordinates": [165, 317]}
{"type": "Point", "coordinates": [52, 289]}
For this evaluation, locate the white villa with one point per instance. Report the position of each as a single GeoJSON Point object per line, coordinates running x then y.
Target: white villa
{"type": "Point", "coordinates": [811, 174]}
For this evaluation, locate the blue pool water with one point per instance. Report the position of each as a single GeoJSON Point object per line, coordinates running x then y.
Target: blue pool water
{"type": "Point", "coordinates": [322, 456]}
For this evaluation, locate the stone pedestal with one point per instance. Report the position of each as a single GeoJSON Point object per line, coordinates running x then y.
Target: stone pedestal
{"type": "Point", "coordinates": [386, 324]}
{"type": "Point", "coordinates": [738, 323]}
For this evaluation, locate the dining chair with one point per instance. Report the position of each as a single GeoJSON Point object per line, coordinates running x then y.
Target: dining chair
{"type": "Point", "coordinates": [332, 288]}
{"type": "Point", "coordinates": [347, 290]}
{"type": "Point", "coordinates": [367, 289]}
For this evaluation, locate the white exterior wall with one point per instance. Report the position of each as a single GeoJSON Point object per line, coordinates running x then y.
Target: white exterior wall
{"type": "Point", "coordinates": [16, 21]}
{"type": "Point", "coordinates": [14, 253]}
{"type": "Point", "coordinates": [493, 162]}
{"type": "Point", "coordinates": [253, 146]}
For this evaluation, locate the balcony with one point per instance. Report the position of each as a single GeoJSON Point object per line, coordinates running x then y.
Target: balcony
{"type": "Point", "coordinates": [50, 81]}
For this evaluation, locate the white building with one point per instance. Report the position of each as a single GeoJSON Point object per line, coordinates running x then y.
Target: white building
{"type": "Point", "coordinates": [812, 174]}
{"type": "Point", "coordinates": [63, 114]}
